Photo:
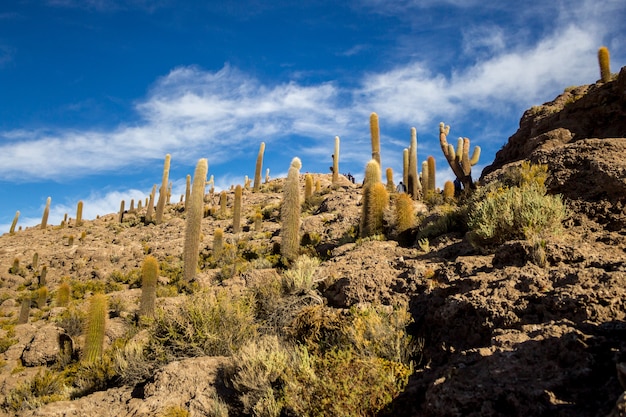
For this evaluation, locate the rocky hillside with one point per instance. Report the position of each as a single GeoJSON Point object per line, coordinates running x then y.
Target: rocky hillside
{"type": "Point", "coordinates": [495, 332]}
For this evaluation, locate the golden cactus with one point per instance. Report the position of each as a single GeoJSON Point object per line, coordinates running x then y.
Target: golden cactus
{"type": "Point", "coordinates": [290, 213]}
{"type": "Point", "coordinates": [237, 210]}
{"type": "Point", "coordinates": [375, 132]}
{"type": "Point", "coordinates": [336, 161]}
{"type": "Point", "coordinates": [604, 60]}
{"type": "Point", "coordinates": [193, 225]}
{"type": "Point", "coordinates": [413, 182]}
{"type": "Point", "coordinates": [259, 168]}
{"type": "Point", "coordinates": [163, 191]}
{"type": "Point", "coordinates": [149, 279]}
{"type": "Point", "coordinates": [405, 216]}
{"type": "Point", "coordinates": [95, 328]}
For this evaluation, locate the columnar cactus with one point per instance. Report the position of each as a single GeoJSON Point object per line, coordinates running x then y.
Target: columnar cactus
{"type": "Point", "coordinates": [258, 221]}
{"type": "Point", "coordinates": [24, 310]}
{"type": "Point", "coordinates": [237, 210]}
{"type": "Point", "coordinates": [604, 60]}
{"type": "Point", "coordinates": [95, 328]}
{"type": "Point", "coordinates": [150, 205]}
{"type": "Point", "coordinates": [46, 212]}
{"type": "Point", "coordinates": [223, 199]}
{"type": "Point", "coordinates": [79, 213]}
{"type": "Point", "coordinates": [308, 187]}
{"type": "Point", "coordinates": [413, 182]}
{"type": "Point", "coordinates": [336, 162]}
{"type": "Point", "coordinates": [120, 215]}
{"type": "Point", "coordinates": [160, 208]}
{"type": "Point", "coordinates": [193, 224]}
{"type": "Point", "coordinates": [218, 242]}
{"type": "Point", "coordinates": [459, 161]}
{"type": "Point", "coordinates": [375, 132]}
{"type": "Point", "coordinates": [267, 175]}
{"type": "Point", "coordinates": [290, 213]}
{"type": "Point", "coordinates": [149, 278]}
{"type": "Point", "coordinates": [391, 187]}
{"type": "Point", "coordinates": [42, 297]}
{"type": "Point", "coordinates": [448, 191]}
{"type": "Point", "coordinates": [258, 168]}
{"type": "Point", "coordinates": [405, 216]}
{"type": "Point", "coordinates": [63, 295]}
{"type": "Point", "coordinates": [14, 223]}
{"type": "Point", "coordinates": [405, 166]}
{"type": "Point", "coordinates": [425, 179]}
{"type": "Point", "coordinates": [430, 161]}
{"type": "Point", "coordinates": [42, 276]}
{"type": "Point", "coordinates": [187, 190]}
{"type": "Point", "coordinates": [374, 201]}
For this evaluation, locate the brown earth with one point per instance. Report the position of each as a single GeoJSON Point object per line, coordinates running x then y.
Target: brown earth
{"type": "Point", "coordinates": [501, 335]}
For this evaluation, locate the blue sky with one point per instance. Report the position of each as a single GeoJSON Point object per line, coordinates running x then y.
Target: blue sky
{"type": "Point", "coordinates": [94, 93]}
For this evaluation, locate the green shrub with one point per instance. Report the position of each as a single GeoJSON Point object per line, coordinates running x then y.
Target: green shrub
{"type": "Point", "coordinates": [45, 387]}
{"type": "Point", "coordinates": [301, 276]}
{"type": "Point", "coordinates": [210, 323]}
{"type": "Point", "coordinates": [497, 214]}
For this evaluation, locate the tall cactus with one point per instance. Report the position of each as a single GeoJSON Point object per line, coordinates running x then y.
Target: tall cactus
{"type": "Point", "coordinates": [149, 278]}
{"type": "Point", "coordinates": [237, 210]}
{"type": "Point", "coordinates": [120, 215]}
{"type": "Point", "coordinates": [459, 161]}
{"type": "Point", "coordinates": [336, 162]}
{"type": "Point", "coordinates": [187, 190]}
{"type": "Point", "coordinates": [405, 167]}
{"type": "Point", "coordinates": [193, 224]}
{"type": "Point", "coordinates": [391, 187]}
{"type": "Point", "coordinates": [95, 328]}
{"type": "Point", "coordinates": [430, 162]}
{"type": "Point", "coordinates": [259, 168]}
{"type": "Point", "coordinates": [375, 133]}
{"type": "Point", "coordinates": [308, 187]}
{"type": "Point", "coordinates": [604, 60]}
{"type": "Point", "coordinates": [425, 179]}
{"type": "Point", "coordinates": [413, 182]}
{"type": "Point", "coordinates": [14, 223]}
{"type": "Point", "coordinates": [160, 208]}
{"type": "Point", "coordinates": [46, 212]}
{"type": "Point", "coordinates": [290, 213]}
{"type": "Point", "coordinates": [150, 205]}
{"type": "Point", "coordinates": [79, 213]}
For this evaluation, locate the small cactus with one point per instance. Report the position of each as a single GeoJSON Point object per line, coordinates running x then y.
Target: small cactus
{"type": "Point", "coordinates": [448, 191]}
{"type": "Point", "coordinates": [218, 242]}
{"type": "Point", "coordinates": [120, 215]}
{"type": "Point", "coordinates": [42, 297]}
{"type": "Point", "coordinates": [258, 221]}
{"type": "Point", "coordinates": [42, 276]}
{"type": "Point", "coordinates": [24, 310]}
{"type": "Point", "coordinates": [308, 187]}
{"type": "Point", "coordinates": [405, 216]}
{"type": "Point", "coordinates": [63, 295]}
{"type": "Point", "coordinates": [223, 200]}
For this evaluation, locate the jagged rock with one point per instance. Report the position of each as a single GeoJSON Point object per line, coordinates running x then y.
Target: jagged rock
{"type": "Point", "coordinates": [45, 346]}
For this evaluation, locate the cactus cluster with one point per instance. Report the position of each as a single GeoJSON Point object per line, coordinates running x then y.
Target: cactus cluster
{"type": "Point", "coordinates": [459, 160]}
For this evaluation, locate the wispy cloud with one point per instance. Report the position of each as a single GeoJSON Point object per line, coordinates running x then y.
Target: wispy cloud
{"type": "Point", "coordinates": [190, 109]}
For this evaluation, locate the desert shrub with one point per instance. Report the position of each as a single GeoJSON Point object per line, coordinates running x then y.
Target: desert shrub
{"type": "Point", "coordinates": [46, 386]}
{"type": "Point", "coordinates": [212, 323]}
{"type": "Point", "coordinates": [130, 362]}
{"type": "Point", "coordinates": [447, 219]}
{"type": "Point", "coordinates": [301, 276]}
{"type": "Point", "coordinates": [276, 378]}
{"type": "Point", "coordinates": [72, 320]}
{"type": "Point", "coordinates": [497, 214]}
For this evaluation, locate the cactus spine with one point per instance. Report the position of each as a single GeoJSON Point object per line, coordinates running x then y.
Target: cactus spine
{"type": "Point", "coordinates": [14, 223]}
{"type": "Point", "coordinates": [194, 221]}
{"type": "Point", "coordinates": [604, 60]}
{"type": "Point", "coordinates": [336, 162]}
{"type": "Point", "coordinates": [413, 182]}
{"type": "Point", "coordinates": [79, 213]}
{"type": "Point", "coordinates": [163, 190]}
{"type": "Point", "coordinates": [237, 210]}
{"type": "Point", "coordinates": [459, 161]}
{"type": "Point", "coordinates": [96, 325]}
{"type": "Point", "coordinates": [290, 212]}
{"type": "Point", "coordinates": [149, 277]}
{"type": "Point", "coordinates": [46, 212]}
{"type": "Point", "coordinates": [375, 132]}
{"type": "Point", "coordinates": [259, 168]}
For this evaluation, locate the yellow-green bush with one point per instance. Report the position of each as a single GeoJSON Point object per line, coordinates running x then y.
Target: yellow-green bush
{"type": "Point", "coordinates": [212, 323]}
{"type": "Point", "coordinates": [498, 213]}
{"type": "Point", "coordinates": [45, 387]}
